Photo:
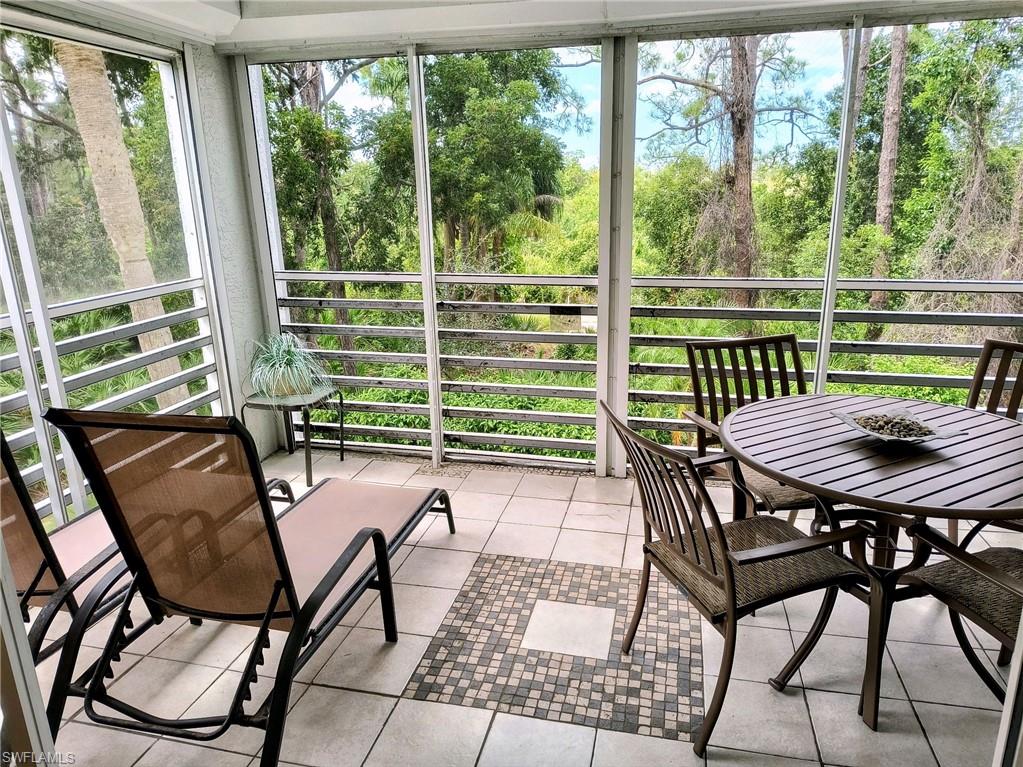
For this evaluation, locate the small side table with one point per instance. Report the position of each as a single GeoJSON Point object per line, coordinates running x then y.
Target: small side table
{"type": "Point", "coordinates": [304, 402]}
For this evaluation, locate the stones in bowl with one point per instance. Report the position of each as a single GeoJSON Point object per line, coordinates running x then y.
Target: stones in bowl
{"type": "Point", "coordinates": [896, 426]}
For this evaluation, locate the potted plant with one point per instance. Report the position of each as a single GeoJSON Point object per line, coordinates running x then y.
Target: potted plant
{"type": "Point", "coordinates": [282, 367]}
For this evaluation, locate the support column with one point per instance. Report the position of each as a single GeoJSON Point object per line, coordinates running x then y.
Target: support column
{"type": "Point", "coordinates": [847, 134]}
{"type": "Point", "coordinates": [424, 208]}
{"type": "Point", "coordinates": [193, 222]}
{"type": "Point", "coordinates": [43, 331]}
{"type": "Point", "coordinates": [619, 68]}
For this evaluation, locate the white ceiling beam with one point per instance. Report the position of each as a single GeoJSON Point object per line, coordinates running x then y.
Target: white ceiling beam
{"type": "Point", "coordinates": [455, 25]}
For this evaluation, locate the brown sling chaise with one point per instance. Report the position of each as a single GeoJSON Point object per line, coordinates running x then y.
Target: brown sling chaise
{"type": "Point", "coordinates": [52, 572]}
{"type": "Point", "coordinates": [187, 505]}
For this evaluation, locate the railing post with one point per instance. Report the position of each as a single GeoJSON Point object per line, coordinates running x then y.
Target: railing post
{"type": "Point", "coordinates": [847, 134]}
{"type": "Point", "coordinates": [619, 68]}
{"type": "Point", "coordinates": [43, 331]}
{"type": "Point", "coordinates": [424, 208]}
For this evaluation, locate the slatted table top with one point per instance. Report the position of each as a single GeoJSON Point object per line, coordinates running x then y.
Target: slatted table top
{"type": "Point", "coordinates": [797, 440]}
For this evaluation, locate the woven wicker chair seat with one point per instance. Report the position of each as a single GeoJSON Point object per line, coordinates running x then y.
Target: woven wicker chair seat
{"type": "Point", "coordinates": [774, 493]}
{"type": "Point", "coordinates": [756, 582]}
{"type": "Point", "coordinates": [995, 605]}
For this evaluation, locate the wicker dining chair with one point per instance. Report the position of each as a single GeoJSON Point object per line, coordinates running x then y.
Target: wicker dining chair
{"type": "Point", "coordinates": [986, 587]}
{"type": "Point", "coordinates": [729, 569]}
{"type": "Point", "coordinates": [727, 374]}
{"type": "Point", "coordinates": [1001, 392]}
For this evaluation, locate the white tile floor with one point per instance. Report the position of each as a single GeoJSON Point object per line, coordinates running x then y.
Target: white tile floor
{"type": "Point", "coordinates": [346, 709]}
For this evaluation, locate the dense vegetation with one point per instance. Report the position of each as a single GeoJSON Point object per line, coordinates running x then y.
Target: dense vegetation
{"type": "Point", "coordinates": [936, 189]}
{"type": "Point", "coordinates": [736, 181]}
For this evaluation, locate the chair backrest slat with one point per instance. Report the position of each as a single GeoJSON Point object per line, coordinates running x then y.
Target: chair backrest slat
{"type": "Point", "coordinates": [755, 369]}
{"type": "Point", "coordinates": [676, 505]}
{"type": "Point", "coordinates": [186, 502]}
{"type": "Point", "coordinates": [28, 546]}
{"type": "Point", "coordinates": [1006, 390]}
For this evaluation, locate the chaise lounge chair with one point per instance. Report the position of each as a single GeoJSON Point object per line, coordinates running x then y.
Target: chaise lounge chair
{"type": "Point", "coordinates": [185, 500]}
{"type": "Point", "coordinates": [84, 548]}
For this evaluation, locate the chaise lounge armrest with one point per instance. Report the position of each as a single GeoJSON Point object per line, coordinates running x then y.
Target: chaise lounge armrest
{"type": "Point", "coordinates": [859, 530]}
{"type": "Point", "coordinates": [37, 634]}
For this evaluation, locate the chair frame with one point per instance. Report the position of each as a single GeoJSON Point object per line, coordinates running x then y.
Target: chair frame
{"type": "Point", "coordinates": [660, 475]}
{"type": "Point", "coordinates": [63, 595]}
{"type": "Point", "coordinates": [710, 372]}
{"type": "Point", "coordinates": [1008, 351]}
{"type": "Point", "coordinates": [303, 639]}
{"type": "Point", "coordinates": [927, 537]}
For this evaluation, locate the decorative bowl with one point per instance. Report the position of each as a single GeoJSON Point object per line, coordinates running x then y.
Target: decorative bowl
{"type": "Point", "coordinates": [904, 421]}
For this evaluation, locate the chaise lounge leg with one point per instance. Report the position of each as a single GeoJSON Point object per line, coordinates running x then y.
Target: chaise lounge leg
{"type": "Point", "coordinates": [644, 584]}
{"type": "Point", "coordinates": [713, 711]}
{"type": "Point", "coordinates": [780, 681]}
{"type": "Point", "coordinates": [1004, 656]}
{"type": "Point", "coordinates": [445, 502]}
{"type": "Point", "coordinates": [195, 621]}
{"type": "Point", "coordinates": [386, 594]}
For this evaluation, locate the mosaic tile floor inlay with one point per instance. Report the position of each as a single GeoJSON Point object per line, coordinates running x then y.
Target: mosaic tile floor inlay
{"type": "Point", "coordinates": [476, 658]}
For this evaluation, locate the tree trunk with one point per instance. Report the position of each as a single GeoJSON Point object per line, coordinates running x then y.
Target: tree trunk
{"type": "Point", "coordinates": [742, 117]}
{"type": "Point", "coordinates": [887, 162]}
{"type": "Point", "coordinates": [332, 249]}
{"type": "Point", "coordinates": [862, 66]}
{"type": "Point", "coordinates": [117, 195]}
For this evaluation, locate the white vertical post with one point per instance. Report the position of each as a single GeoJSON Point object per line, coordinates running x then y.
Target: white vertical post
{"type": "Point", "coordinates": [22, 674]}
{"type": "Point", "coordinates": [29, 371]}
{"type": "Point", "coordinates": [619, 69]}
{"type": "Point", "coordinates": [1009, 744]}
{"type": "Point", "coordinates": [40, 318]}
{"type": "Point", "coordinates": [846, 137]}
{"type": "Point", "coordinates": [191, 224]}
{"type": "Point", "coordinates": [424, 207]}
{"type": "Point", "coordinates": [271, 233]}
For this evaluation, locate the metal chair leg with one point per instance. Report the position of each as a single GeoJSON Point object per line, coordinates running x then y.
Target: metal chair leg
{"type": "Point", "coordinates": [971, 655]}
{"type": "Point", "coordinates": [644, 585]}
{"type": "Point", "coordinates": [780, 681]}
{"type": "Point", "coordinates": [1004, 656]}
{"type": "Point", "coordinates": [713, 711]}
{"type": "Point", "coordinates": [793, 516]}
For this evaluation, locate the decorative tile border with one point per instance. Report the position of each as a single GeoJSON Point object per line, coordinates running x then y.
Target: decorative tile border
{"type": "Point", "coordinates": [476, 658]}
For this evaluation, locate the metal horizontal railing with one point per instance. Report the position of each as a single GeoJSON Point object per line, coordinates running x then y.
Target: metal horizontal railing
{"type": "Point", "coordinates": [107, 376]}
{"type": "Point", "coordinates": [474, 349]}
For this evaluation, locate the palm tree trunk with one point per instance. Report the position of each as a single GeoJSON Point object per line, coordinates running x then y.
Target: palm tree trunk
{"type": "Point", "coordinates": [117, 194]}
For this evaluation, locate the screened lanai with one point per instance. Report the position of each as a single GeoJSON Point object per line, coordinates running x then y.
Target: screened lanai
{"type": "Point", "coordinates": [537, 258]}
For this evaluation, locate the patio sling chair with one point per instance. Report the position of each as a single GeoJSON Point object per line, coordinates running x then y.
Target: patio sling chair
{"type": "Point", "coordinates": [186, 502]}
{"type": "Point", "coordinates": [730, 569]}
{"type": "Point", "coordinates": [986, 587]}
{"type": "Point", "coordinates": [41, 563]}
{"type": "Point", "coordinates": [725, 375]}
{"type": "Point", "coordinates": [1004, 388]}
{"type": "Point", "coordinates": [83, 547]}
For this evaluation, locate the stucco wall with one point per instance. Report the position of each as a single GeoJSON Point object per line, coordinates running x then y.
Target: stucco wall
{"type": "Point", "coordinates": [235, 254]}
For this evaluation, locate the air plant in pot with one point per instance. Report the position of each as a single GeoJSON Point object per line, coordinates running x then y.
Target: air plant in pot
{"type": "Point", "coordinates": [282, 367]}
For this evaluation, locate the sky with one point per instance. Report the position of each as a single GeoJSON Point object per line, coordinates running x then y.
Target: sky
{"type": "Point", "coordinates": [820, 51]}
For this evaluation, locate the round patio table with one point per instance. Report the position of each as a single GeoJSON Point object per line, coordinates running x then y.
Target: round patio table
{"type": "Point", "coordinates": [798, 441]}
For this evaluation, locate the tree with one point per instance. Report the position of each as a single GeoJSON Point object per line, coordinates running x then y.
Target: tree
{"type": "Point", "coordinates": [99, 126]}
{"type": "Point", "coordinates": [887, 164]}
{"type": "Point", "coordinates": [714, 99]}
